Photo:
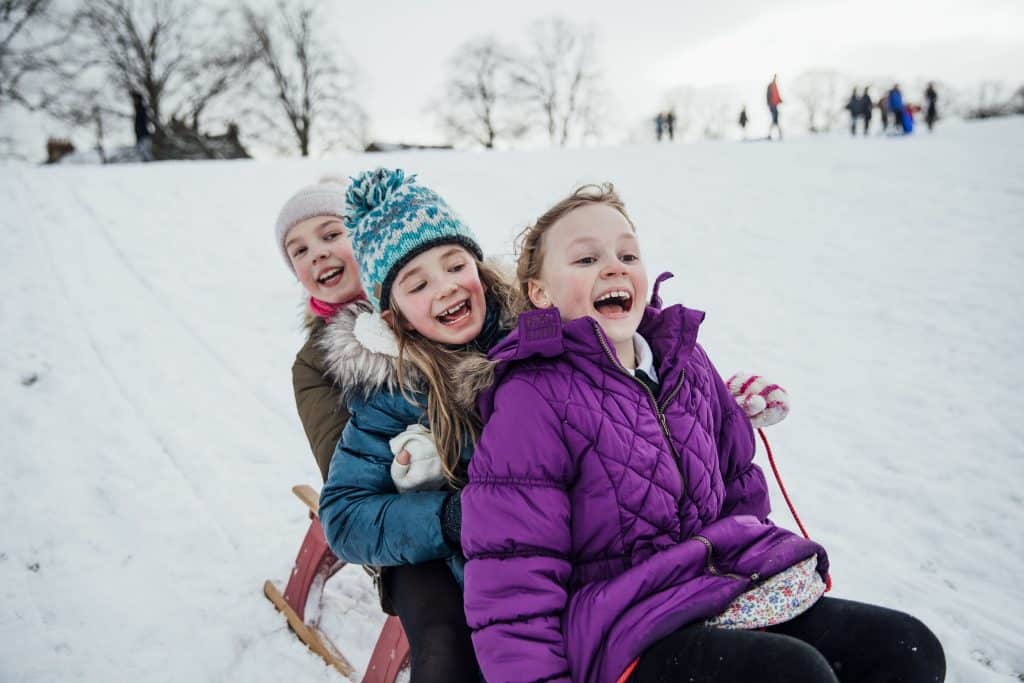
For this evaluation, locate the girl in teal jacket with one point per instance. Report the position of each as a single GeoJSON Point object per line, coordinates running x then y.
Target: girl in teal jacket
{"type": "Point", "coordinates": [395, 385]}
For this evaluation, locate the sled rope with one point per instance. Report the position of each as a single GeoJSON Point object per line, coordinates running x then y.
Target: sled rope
{"type": "Point", "coordinates": [785, 494]}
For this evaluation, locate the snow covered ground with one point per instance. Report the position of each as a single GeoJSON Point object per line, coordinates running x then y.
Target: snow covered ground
{"type": "Point", "coordinates": [150, 437]}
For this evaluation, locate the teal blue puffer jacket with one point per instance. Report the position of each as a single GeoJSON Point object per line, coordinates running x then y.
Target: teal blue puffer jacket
{"type": "Point", "coordinates": [365, 519]}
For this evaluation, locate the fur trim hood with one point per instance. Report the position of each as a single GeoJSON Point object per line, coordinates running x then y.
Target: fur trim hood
{"type": "Point", "coordinates": [361, 353]}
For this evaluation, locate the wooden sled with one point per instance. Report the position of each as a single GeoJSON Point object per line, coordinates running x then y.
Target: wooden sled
{"type": "Point", "coordinates": [314, 565]}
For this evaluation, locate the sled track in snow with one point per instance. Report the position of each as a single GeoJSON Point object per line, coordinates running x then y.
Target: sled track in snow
{"type": "Point", "coordinates": [189, 329]}
{"type": "Point", "coordinates": [123, 390]}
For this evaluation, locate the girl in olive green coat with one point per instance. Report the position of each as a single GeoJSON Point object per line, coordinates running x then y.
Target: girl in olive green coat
{"type": "Point", "coordinates": [316, 247]}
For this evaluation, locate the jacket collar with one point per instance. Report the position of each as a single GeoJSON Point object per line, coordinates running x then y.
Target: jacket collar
{"type": "Point", "coordinates": [671, 333]}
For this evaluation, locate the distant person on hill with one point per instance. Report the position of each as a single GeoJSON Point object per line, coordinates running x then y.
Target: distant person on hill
{"type": "Point", "coordinates": [883, 111]}
{"type": "Point", "coordinates": [866, 107]}
{"type": "Point", "coordinates": [670, 124]}
{"type": "Point", "coordinates": [659, 125]}
{"type": "Point", "coordinates": [743, 121]}
{"type": "Point", "coordinates": [896, 107]}
{"type": "Point", "coordinates": [143, 138]}
{"type": "Point", "coordinates": [854, 107]}
{"type": "Point", "coordinates": [774, 100]}
{"type": "Point", "coordinates": [930, 113]}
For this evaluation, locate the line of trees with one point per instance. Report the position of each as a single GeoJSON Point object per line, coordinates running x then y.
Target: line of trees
{"type": "Point", "coordinates": [274, 72]}
{"type": "Point", "coordinates": [550, 87]}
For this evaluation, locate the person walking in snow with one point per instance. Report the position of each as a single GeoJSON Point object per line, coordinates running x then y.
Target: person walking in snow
{"type": "Point", "coordinates": [659, 125]}
{"type": "Point", "coordinates": [895, 104]}
{"type": "Point", "coordinates": [853, 106]}
{"type": "Point", "coordinates": [670, 124]}
{"type": "Point", "coordinates": [883, 111]}
{"type": "Point", "coordinates": [315, 245]}
{"type": "Point", "coordinates": [614, 524]}
{"type": "Point", "coordinates": [930, 112]}
{"type": "Point", "coordinates": [143, 137]}
{"type": "Point", "coordinates": [743, 122]}
{"type": "Point", "coordinates": [774, 99]}
{"type": "Point", "coordinates": [867, 105]}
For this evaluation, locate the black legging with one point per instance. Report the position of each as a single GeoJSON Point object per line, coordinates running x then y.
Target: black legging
{"type": "Point", "coordinates": [428, 601]}
{"type": "Point", "coordinates": [835, 640]}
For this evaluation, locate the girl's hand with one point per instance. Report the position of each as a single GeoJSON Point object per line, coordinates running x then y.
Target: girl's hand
{"type": "Point", "coordinates": [763, 402]}
{"type": "Point", "coordinates": [417, 465]}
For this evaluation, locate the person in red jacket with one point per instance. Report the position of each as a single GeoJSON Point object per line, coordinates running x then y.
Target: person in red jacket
{"type": "Point", "coordinates": [774, 100]}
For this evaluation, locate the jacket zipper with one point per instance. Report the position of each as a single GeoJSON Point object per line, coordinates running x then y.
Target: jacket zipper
{"type": "Point", "coordinates": [654, 401]}
{"type": "Point", "coordinates": [668, 439]}
{"type": "Point", "coordinates": [714, 570]}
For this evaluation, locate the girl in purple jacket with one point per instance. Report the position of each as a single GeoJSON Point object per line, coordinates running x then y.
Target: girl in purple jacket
{"type": "Point", "coordinates": [614, 523]}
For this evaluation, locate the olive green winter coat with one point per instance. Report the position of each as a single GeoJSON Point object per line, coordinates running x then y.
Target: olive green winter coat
{"type": "Point", "coordinates": [317, 398]}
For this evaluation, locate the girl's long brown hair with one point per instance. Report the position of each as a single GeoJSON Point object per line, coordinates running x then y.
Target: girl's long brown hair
{"type": "Point", "coordinates": [452, 427]}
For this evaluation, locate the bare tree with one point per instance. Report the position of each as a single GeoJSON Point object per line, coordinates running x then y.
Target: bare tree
{"type": "Point", "coordinates": [181, 55]}
{"type": "Point", "coordinates": [557, 78]}
{"type": "Point", "coordinates": [986, 99]}
{"type": "Point", "coordinates": [311, 84]}
{"type": "Point", "coordinates": [480, 106]}
{"type": "Point", "coordinates": [821, 92]}
{"type": "Point", "coordinates": [1017, 101]}
{"type": "Point", "coordinates": [30, 32]}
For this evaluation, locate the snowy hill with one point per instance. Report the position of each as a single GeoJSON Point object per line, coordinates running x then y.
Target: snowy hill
{"type": "Point", "coordinates": [150, 436]}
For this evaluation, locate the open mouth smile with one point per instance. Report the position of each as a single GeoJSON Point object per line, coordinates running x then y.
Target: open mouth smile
{"type": "Point", "coordinates": [615, 303]}
{"type": "Point", "coordinates": [331, 277]}
{"type": "Point", "coordinates": [453, 315]}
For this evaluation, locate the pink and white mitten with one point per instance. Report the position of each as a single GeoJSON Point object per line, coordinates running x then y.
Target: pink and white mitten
{"type": "Point", "coordinates": [763, 402]}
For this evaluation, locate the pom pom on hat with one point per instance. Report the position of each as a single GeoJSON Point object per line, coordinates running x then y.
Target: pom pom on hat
{"type": "Point", "coordinates": [370, 190]}
{"type": "Point", "coordinates": [392, 219]}
{"type": "Point", "coordinates": [324, 198]}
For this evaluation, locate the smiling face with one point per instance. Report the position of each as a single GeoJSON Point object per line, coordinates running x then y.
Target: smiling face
{"type": "Point", "coordinates": [440, 295]}
{"type": "Point", "coordinates": [591, 267]}
{"type": "Point", "coordinates": [321, 254]}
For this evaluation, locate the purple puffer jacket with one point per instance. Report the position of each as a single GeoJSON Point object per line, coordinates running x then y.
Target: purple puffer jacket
{"type": "Point", "coordinates": [598, 517]}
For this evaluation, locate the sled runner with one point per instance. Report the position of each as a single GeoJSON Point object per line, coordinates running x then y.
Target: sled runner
{"type": "Point", "coordinates": [314, 565]}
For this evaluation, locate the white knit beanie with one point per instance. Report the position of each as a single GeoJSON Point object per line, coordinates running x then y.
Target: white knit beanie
{"type": "Point", "coordinates": [325, 198]}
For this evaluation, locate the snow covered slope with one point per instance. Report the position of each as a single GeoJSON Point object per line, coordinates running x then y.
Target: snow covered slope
{"type": "Point", "coordinates": [150, 436]}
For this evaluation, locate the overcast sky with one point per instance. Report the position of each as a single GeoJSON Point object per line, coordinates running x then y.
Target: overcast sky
{"type": "Point", "coordinates": [647, 48]}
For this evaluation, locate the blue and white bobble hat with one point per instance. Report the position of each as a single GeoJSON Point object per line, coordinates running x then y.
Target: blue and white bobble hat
{"type": "Point", "coordinates": [392, 220]}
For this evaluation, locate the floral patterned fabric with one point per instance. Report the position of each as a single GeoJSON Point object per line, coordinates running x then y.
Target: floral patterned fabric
{"type": "Point", "coordinates": [781, 598]}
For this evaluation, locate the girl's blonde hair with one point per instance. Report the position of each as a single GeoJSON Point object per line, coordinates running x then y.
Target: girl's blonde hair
{"type": "Point", "coordinates": [530, 242]}
{"type": "Point", "coordinates": [454, 427]}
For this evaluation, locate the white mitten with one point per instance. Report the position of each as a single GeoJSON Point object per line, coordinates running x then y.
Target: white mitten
{"type": "Point", "coordinates": [424, 471]}
{"type": "Point", "coordinates": [763, 402]}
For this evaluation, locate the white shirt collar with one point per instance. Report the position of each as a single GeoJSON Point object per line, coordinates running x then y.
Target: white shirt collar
{"type": "Point", "coordinates": [644, 357]}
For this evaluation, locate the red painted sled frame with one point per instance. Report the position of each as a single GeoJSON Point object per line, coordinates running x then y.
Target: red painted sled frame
{"type": "Point", "coordinates": [314, 565]}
